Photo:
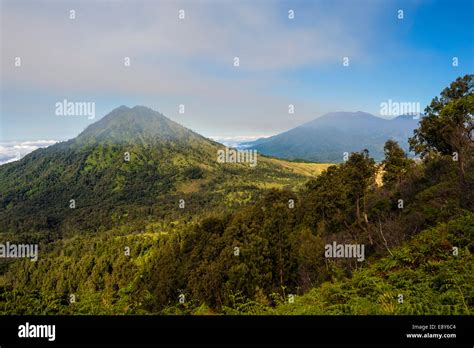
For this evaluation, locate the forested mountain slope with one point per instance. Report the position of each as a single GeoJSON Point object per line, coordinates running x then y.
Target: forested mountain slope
{"type": "Point", "coordinates": [132, 164]}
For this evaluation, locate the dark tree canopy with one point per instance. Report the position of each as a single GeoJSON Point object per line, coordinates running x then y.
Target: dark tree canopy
{"type": "Point", "coordinates": [448, 123]}
{"type": "Point", "coordinates": [395, 163]}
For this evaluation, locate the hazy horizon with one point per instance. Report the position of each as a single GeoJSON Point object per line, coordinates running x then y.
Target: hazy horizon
{"type": "Point", "coordinates": [13, 150]}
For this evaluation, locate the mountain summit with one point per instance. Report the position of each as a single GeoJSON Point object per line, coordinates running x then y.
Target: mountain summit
{"type": "Point", "coordinates": [140, 123]}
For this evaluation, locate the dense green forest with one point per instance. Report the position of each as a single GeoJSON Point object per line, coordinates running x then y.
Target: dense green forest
{"type": "Point", "coordinates": [249, 240]}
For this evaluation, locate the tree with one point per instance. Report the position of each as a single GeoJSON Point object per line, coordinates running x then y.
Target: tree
{"type": "Point", "coordinates": [326, 202]}
{"type": "Point", "coordinates": [395, 163]}
{"type": "Point", "coordinates": [448, 125]}
{"type": "Point", "coordinates": [359, 173]}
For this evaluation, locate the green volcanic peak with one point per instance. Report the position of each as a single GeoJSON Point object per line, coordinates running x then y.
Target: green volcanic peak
{"type": "Point", "coordinates": [133, 160]}
{"type": "Point", "coordinates": [137, 124]}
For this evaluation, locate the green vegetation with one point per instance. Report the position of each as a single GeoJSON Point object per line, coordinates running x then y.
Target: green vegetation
{"type": "Point", "coordinates": [423, 271]}
{"type": "Point", "coordinates": [248, 239]}
{"type": "Point", "coordinates": [167, 163]}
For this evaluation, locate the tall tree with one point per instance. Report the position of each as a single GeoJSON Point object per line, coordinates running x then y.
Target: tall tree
{"type": "Point", "coordinates": [359, 173]}
{"type": "Point", "coordinates": [448, 125]}
{"type": "Point", "coordinates": [395, 163]}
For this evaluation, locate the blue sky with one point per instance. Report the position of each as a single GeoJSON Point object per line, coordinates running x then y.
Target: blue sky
{"type": "Point", "coordinates": [190, 61]}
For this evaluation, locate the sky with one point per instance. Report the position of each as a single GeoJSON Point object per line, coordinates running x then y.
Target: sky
{"type": "Point", "coordinates": [190, 61]}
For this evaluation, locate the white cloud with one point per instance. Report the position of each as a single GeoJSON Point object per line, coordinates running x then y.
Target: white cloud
{"type": "Point", "coordinates": [11, 151]}
{"type": "Point", "coordinates": [167, 55]}
{"type": "Point", "coordinates": [235, 141]}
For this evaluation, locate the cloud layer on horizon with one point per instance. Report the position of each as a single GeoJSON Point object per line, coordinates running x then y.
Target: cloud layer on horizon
{"type": "Point", "coordinates": [14, 150]}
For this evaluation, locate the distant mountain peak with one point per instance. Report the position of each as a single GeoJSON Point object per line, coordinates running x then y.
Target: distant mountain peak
{"type": "Point", "coordinates": [346, 114]}
{"type": "Point", "coordinates": [327, 138]}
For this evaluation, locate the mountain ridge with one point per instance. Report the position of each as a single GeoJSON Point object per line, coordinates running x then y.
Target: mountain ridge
{"type": "Point", "coordinates": [328, 137]}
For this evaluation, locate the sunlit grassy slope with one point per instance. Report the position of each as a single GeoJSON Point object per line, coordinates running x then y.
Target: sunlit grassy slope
{"type": "Point", "coordinates": [303, 168]}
